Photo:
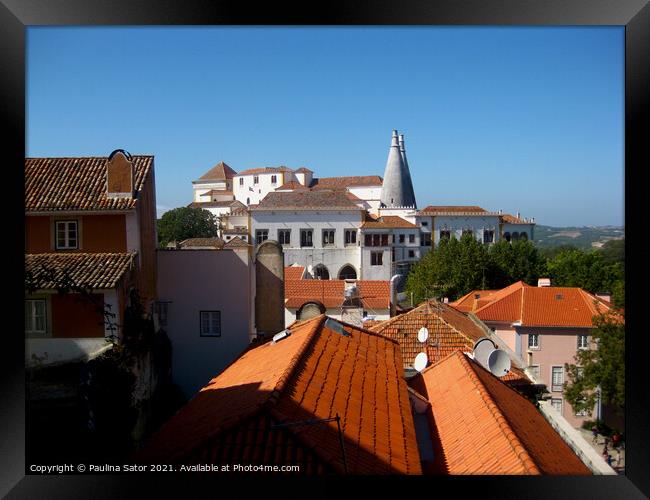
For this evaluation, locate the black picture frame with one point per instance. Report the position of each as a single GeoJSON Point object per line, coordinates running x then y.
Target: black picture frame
{"type": "Point", "coordinates": [15, 15]}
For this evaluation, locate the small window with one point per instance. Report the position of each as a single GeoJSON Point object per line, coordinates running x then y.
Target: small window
{"type": "Point", "coordinates": [425, 239]}
{"type": "Point", "coordinates": [241, 181]}
{"type": "Point", "coordinates": [306, 238]}
{"type": "Point", "coordinates": [376, 240]}
{"type": "Point", "coordinates": [284, 236]}
{"type": "Point", "coordinates": [261, 235]}
{"type": "Point", "coordinates": [515, 236]}
{"type": "Point", "coordinates": [35, 317]}
{"type": "Point", "coordinates": [210, 323]}
{"type": "Point", "coordinates": [393, 239]}
{"type": "Point", "coordinates": [66, 234]}
{"type": "Point", "coordinates": [411, 254]}
{"type": "Point", "coordinates": [583, 341]}
{"type": "Point", "coordinates": [321, 272]}
{"type": "Point", "coordinates": [534, 372]}
{"type": "Point", "coordinates": [274, 179]}
{"type": "Point", "coordinates": [556, 403]}
{"type": "Point", "coordinates": [328, 237]}
{"type": "Point", "coordinates": [488, 236]}
{"type": "Point", "coordinates": [523, 236]}
{"type": "Point", "coordinates": [506, 236]}
{"type": "Point", "coordinates": [411, 238]}
{"type": "Point", "coordinates": [256, 179]}
{"type": "Point", "coordinates": [368, 240]}
{"type": "Point", "coordinates": [557, 378]}
{"type": "Point", "coordinates": [445, 234]}
{"type": "Point", "coordinates": [161, 310]}
{"type": "Point", "coordinates": [384, 240]}
{"type": "Point", "coordinates": [533, 341]}
{"type": "Point", "coordinates": [377, 258]}
{"type": "Point", "coordinates": [424, 223]}
{"type": "Point", "coordinates": [350, 236]}
{"type": "Point", "coordinates": [401, 238]}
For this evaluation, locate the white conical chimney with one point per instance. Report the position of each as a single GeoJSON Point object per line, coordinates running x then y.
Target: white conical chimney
{"type": "Point", "coordinates": [397, 188]}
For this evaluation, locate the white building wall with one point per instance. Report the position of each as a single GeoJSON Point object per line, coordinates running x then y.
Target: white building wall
{"type": "Point", "coordinates": [518, 228]}
{"type": "Point", "coordinates": [132, 232]}
{"type": "Point", "coordinates": [368, 193]}
{"type": "Point", "coordinates": [250, 193]}
{"type": "Point", "coordinates": [370, 272]}
{"type": "Point", "coordinates": [203, 188]}
{"type": "Point", "coordinates": [204, 280]}
{"type": "Point", "coordinates": [333, 257]}
{"type": "Point", "coordinates": [457, 223]}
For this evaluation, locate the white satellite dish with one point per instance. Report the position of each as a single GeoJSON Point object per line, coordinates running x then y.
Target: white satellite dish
{"type": "Point", "coordinates": [499, 363]}
{"type": "Point", "coordinates": [421, 361]}
{"type": "Point", "coordinates": [423, 334]}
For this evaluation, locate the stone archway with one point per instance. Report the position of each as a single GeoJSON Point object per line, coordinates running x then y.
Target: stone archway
{"type": "Point", "coordinates": [347, 272]}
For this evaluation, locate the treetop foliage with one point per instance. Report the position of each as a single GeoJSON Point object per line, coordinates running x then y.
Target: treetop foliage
{"type": "Point", "coordinates": [186, 222]}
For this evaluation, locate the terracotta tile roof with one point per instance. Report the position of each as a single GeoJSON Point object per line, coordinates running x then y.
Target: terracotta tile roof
{"type": "Point", "coordinates": [543, 306]}
{"type": "Point", "coordinates": [236, 242]}
{"type": "Point", "coordinates": [511, 219]}
{"type": "Point", "coordinates": [67, 184]}
{"type": "Point", "coordinates": [202, 242]}
{"type": "Point", "coordinates": [293, 272]}
{"type": "Point", "coordinates": [449, 331]}
{"type": "Point", "coordinates": [345, 182]}
{"type": "Point", "coordinates": [461, 209]}
{"type": "Point", "coordinates": [220, 172]}
{"type": "Point", "coordinates": [92, 270]}
{"type": "Point", "coordinates": [211, 204]}
{"type": "Point", "coordinates": [387, 221]}
{"type": "Point", "coordinates": [216, 192]}
{"type": "Point", "coordinates": [323, 368]}
{"type": "Point", "coordinates": [303, 170]}
{"type": "Point", "coordinates": [292, 185]}
{"type": "Point", "coordinates": [306, 200]}
{"type": "Point", "coordinates": [265, 170]}
{"type": "Point", "coordinates": [471, 301]}
{"type": "Point", "coordinates": [485, 427]}
{"type": "Point", "coordinates": [331, 293]}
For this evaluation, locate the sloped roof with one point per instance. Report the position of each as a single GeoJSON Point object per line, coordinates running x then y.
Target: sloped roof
{"type": "Point", "coordinates": [202, 242]}
{"type": "Point", "coordinates": [265, 170]}
{"type": "Point", "coordinates": [387, 222]}
{"type": "Point", "coordinates": [306, 200]}
{"type": "Point", "coordinates": [89, 270]}
{"type": "Point", "coordinates": [486, 427]}
{"type": "Point", "coordinates": [473, 300]}
{"type": "Point", "coordinates": [449, 331]}
{"type": "Point", "coordinates": [374, 294]}
{"type": "Point", "coordinates": [295, 185]}
{"type": "Point", "coordinates": [511, 219]}
{"type": "Point", "coordinates": [323, 368]}
{"type": "Point", "coordinates": [460, 209]}
{"type": "Point", "coordinates": [345, 182]}
{"type": "Point", "coordinates": [71, 184]}
{"type": "Point", "coordinates": [236, 242]}
{"type": "Point", "coordinates": [220, 172]}
{"type": "Point", "coordinates": [217, 192]}
{"type": "Point", "coordinates": [293, 272]}
{"type": "Point", "coordinates": [542, 306]}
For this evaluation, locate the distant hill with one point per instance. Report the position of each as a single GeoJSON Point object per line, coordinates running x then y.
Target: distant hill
{"type": "Point", "coordinates": [585, 238]}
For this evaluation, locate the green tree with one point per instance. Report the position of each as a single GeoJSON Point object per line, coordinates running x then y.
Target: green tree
{"type": "Point", "coordinates": [516, 261]}
{"type": "Point", "coordinates": [451, 269]}
{"type": "Point", "coordinates": [602, 366]}
{"type": "Point", "coordinates": [613, 252]}
{"type": "Point", "coordinates": [186, 222]}
{"type": "Point", "coordinates": [587, 270]}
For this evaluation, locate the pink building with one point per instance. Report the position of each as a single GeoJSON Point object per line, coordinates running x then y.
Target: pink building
{"type": "Point", "coordinates": [545, 326]}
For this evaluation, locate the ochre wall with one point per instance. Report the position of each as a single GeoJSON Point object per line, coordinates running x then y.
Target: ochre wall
{"type": "Point", "coordinates": [75, 316]}
{"type": "Point", "coordinates": [99, 233]}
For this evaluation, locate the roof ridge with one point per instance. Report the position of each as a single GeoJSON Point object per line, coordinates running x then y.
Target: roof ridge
{"type": "Point", "coordinates": [517, 446]}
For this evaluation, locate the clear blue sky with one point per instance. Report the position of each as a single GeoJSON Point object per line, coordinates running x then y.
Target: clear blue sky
{"type": "Point", "coordinates": [519, 119]}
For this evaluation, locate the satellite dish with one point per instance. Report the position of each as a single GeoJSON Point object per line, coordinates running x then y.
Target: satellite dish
{"type": "Point", "coordinates": [498, 363]}
{"type": "Point", "coordinates": [423, 334]}
{"type": "Point", "coordinates": [482, 349]}
{"type": "Point", "coordinates": [421, 361]}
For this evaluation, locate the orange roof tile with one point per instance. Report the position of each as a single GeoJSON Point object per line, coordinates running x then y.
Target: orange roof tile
{"type": "Point", "coordinates": [202, 242]}
{"type": "Point", "coordinates": [387, 221]}
{"type": "Point", "coordinates": [485, 427]}
{"type": "Point", "coordinates": [435, 209]}
{"type": "Point", "coordinates": [470, 301]}
{"type": "Point", "coordinates": [331, 293]}
{"type": "Point", "coordinates": [221, 171]}
{"type": "Point", "coordinates": [511, 219]}
{"type": "Point", "coordinates": [306, 200]}
{"type": "Point", "coordinates": [345, 182]}
{"type": "Point", "coordinates": [542, 306]}
{"type": "Point", "coordinates": [323, 368]}
{"type": "Point", "coordinates": [93, 270]}
{"type": "Point", "coordinates": [294, 185]}
{"type": "Point", "coordinates": [293, 272]}
{"type": "Point", "coordinates": [71, 184]}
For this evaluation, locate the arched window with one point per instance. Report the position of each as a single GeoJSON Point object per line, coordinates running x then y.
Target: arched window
{"type": "Point", "coordinates": [523, 236]}
{"type": "Point", "coordinates": [515, 236]}
{"type": "Point", "coordinates": [248, 201]}
{"type": "Point", "coordinates": [347, 272]}
{"type": "Point", "coordinates": [506, 236]}
{"type": "Point", "coordinates": [321, 272]}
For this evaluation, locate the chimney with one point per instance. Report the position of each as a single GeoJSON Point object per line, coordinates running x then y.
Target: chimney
{"type": "Point", "coordinates": [119, 175]}
{"type": "Point", "coordinates": [518, 214]}
{"type": "Point", "coordinates": [541, 282]}
{"type": "Point", "coordinates": [606, 296]}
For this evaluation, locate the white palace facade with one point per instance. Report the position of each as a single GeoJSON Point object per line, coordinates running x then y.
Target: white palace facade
{"type": "Point", "coordinates": [354, 227]}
